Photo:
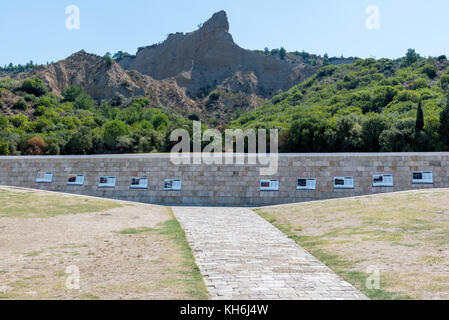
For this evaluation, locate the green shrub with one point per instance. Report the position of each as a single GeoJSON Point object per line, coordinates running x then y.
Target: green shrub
{"type": "Point", "coordinates": [112, 131]}
{"type": "Point", "coordinates": [429, 70]}
{"type": "Point", "coordinates": [8, 83]}
{"type": "Point", "coordinates": [108, 60]}
{"type": "Point", "coordinates": [30, 98]}
{"type": "Point", "coordinates": [160, 122]}
{"type": "Point", "coordinates": [20, 105]}
{"type": "Point", "coordinates": [18, 120]}
{"type": "Point", "coordinates": [444, 81]}
{"type": "Point", "coordinates": [4, 122]}
{"type": "Point", "coordinates": [419, 84]}
{"type": "Point", "coordinates": [34, 86]}
{"type": "Point", "coordinates": [193, 117]}
{"type": "Point", "coordinates": [84, 102]}
{"type": "Point", "coordinates": [4, 149]}
{"type": "Point", "coordinates": [40, 110]}
{"type": "Point", "coordinates": [411, 57]}
{"type": "Point", "coordinates": [71, 93]}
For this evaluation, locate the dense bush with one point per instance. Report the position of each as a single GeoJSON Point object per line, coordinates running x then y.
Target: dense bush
{"type": "Point", "coordinates": [20, 105]}
{"type": "Point", "coordinates": [4, 149]}
{"type": "Point", "coordinates": [429, 70]}
{"type": "Point", "coordinates": [370, 105]}
{"type": "Point", "coordinates": [443, 128]}
{"type": "Point", "coordinates": [34, 86]}
{"type": "Point", "coordinates": [112, 131]}
{"type": "Point", "coordinates": [76, 125]}
{"type": "Point", "coordinates": [35, 146]}
{"type": "Point", "coordinates": [4, 122]}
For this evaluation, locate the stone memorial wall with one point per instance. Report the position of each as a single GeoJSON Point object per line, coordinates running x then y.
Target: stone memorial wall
{"type": "Point", "coordinates": [300, 177]}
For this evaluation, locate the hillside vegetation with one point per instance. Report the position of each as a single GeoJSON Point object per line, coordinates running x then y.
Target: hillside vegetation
{"type": "Point", "coordinates": [369, 105]}
{"type": "Point", "coordinates": [42, 123]}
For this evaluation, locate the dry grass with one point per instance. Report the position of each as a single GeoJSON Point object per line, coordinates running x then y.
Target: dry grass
{"type": "Point", "coordinates": [123, 251]}
{"type": "Point", "coordinates": [405, 235]}
{"type": "Point", "coordinates": [32, 204]}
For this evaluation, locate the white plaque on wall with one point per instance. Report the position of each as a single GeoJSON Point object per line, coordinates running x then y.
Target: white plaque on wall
{"type": "Point", "coordinates": [107, 182]}
{"type": "Point", "coordinates": [306, 184]}
{"type": "Point", "coordinates": [422, 177]}
{"type": "Point", "coordinates": [44, 177]}
{"type": "Point", "coordinates": [172, 185]}
{"type": "Point", "coordinates": [139, 183]}
{"type": "Point", "coordinates": [269, 185]}
{"type": "Point", "coordinates": [344, 183]}
{"type": "Point", "coordinates": [75, 180]}
{"type": "Point", "coordinates": [383, 180]}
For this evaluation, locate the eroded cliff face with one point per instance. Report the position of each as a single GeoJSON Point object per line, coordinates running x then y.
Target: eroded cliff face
{"type": "Point", "coordinates": [109, 81]}
{"type": "Point", "coordinates": [101, 81]}
{"type": "Point", "coordinates": [208, 58]}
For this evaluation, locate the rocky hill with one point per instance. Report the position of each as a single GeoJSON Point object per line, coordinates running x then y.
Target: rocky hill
{"type": "Point", "coordinates": [208, 58]}
{"type": "Point", "coordinates": [202, 73]}
{"type": "Point", "coordinates": [107, 81]}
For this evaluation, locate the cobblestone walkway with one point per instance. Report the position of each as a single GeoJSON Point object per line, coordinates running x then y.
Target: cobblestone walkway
{"type": "Point", "coordinates": [242, 256]}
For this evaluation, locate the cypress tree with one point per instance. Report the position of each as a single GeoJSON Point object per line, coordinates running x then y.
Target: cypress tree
{"type": "Point", "coordinates": [443, 130]}
{"type": "Point", "coordinates": [419, 117]}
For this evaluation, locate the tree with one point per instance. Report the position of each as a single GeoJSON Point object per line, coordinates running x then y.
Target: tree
{"type": "Point", "coordinates": [4, 149]}
{"type": "Point", "coordinates": [108, 59]}
{"type": "Point", "coordinates": [326, 60]}
{"type": "Point", "coordinates": [411, 57]}
{"type": "Point", "coordinates": [34, 86]}
{"type": "Point", "coordinates": [419, 117]}
{"type": "Point", "coordinates": [160, 122]}
{"type": "Point", "coordinates": [430, 71]}
{"type": "Point", "coordinates": [120, 55]}
{"type": "Point", "coordinates": [349, 134]}
{"type": "Point", "coordinates": [193, 117]}
{"type": "Point", "coordinates": [18, 120]}
{"type": "Point", "coordinates": [35, 146]}
{"type": "Point", "coordinates": [282, 53]}
{"type": "Point", "coordinates": [306, 135]}
{"type": "Point", "coordinates": [444, 81]}
{"type": "Point", "coordinates": [79, 97]}
{"type": "Point", "coordinates": [84, 102]}
{"type": "Point", "coordinates": [399, 138]}
{"type": "Point", "coordinates": [443, 129]}
{"type": "Point", "coordinates": [71, 93]}
{"type": "Point", "coordinates": [20, 105]}
{"type": "Point", "coordinates": [382, 96]}
{"type": "Point", "coordinates": [372, 128]}
{"type": "Point", "coordinates": [80, 142]}
{"type": "Point", "coordinates": [4, 123]}
{"type": "Point", "coordinates": [112, 131]}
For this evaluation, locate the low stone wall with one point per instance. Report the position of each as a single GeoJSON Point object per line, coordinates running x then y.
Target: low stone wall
{"type": "Point", "coordinates": [228, 185]}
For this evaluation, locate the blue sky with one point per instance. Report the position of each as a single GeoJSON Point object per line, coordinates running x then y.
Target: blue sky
{"type": "Point", "coordinates": [35, 30]}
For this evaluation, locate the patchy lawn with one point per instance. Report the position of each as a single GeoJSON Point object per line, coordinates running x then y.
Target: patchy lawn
{"type": "Point", "coordinates": [403, 235]}
{"type": "Point", "coordinates": [17, 203]}
{"type": "Point", "coordinates": [121, 250]}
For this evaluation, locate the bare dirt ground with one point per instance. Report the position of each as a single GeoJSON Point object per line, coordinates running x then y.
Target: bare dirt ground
{"type": "Point", "coordinates": [405, 236]}
{"type": "Point", "coordinates": [122, 250]}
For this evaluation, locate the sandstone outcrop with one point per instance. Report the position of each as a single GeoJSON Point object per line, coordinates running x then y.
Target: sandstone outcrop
{"type": "Point", "coordinates": [208, 58]}
{"type": "Point", "coordinates": [109, 81]}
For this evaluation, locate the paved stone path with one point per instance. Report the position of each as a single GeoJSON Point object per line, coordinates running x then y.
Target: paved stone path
{"type": "Point", "coordinates": [242, 256]}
